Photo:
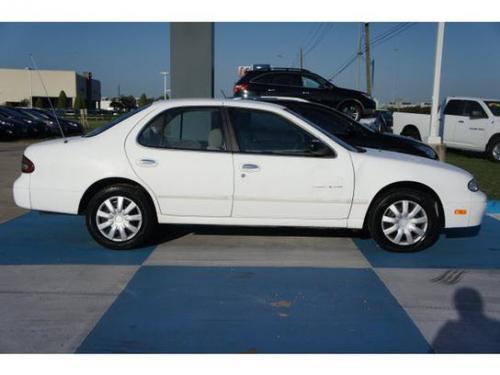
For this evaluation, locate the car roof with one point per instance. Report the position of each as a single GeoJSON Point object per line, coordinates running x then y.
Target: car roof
{"type": "Point", "coordinates": [470, 98]}
{"type": "Point", "coordinates": [214, 102]}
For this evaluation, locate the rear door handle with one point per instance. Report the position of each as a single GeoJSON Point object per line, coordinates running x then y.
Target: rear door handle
{"type": "Point", "coordinates": [250, 167]}
{"type": "Point", "coordinates": [146, 162]}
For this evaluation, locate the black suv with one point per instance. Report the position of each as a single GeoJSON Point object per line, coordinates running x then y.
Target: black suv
{"type": "Point", "coordinates": [301, 83]}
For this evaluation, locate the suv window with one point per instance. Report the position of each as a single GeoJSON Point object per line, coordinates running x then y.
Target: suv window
{"type": "Point", "coordinates": [264, 132]}
{"type": "Point", "coordinates": [283, 79]}
{"type": "Point", "coordinates": [191, 128]}
{"type": "Point", "coordinates": [311, 82]}
{"type": "Point", "coordinates": [474, 109]}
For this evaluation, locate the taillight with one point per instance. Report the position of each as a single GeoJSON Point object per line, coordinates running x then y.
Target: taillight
{"type": "Point", "coordinates": [239, 88]}
{"type": "Point", "coordinates": [27, 165]}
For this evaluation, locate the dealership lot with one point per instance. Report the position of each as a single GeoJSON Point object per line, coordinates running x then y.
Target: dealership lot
{"type": "Point", "coordinates": [240, 290]}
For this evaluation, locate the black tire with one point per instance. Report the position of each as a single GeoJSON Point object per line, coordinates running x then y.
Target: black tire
{"type": "Point", "coordinates": [352, 109]}
{"type": "Point", "coordinates": [145, 208]}
{"type": "Point", "coordinates": [412, 132]}
{"type": "Point", "coordinates": [380, 207]}
{"type": "Point", "coordinates": [493, 149]}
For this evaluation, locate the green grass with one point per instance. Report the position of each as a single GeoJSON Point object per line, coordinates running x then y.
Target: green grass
{"type": "Point", "coordinates": [487, 173]}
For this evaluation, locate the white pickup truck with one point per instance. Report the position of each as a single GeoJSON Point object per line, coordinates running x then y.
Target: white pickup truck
{"type": "Point", "coordinates": [465, 123]}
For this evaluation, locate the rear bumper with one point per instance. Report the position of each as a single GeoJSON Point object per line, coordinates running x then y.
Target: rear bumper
{"type": "Point", "coordinates": [21, 191]}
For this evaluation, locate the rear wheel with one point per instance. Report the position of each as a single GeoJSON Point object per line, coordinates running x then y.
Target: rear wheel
{"type": "Point", "coordinates": [405, 220]}
{"type": "Point", "coordinates": [120, 217]}
{"type": "Point", "coordinates": [412, 132]}
{"type": "Point", "coordinates": [493, 150]}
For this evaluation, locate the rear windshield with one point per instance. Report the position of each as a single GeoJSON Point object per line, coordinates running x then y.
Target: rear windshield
{"type": "Point", "coordinates": [114, 122]}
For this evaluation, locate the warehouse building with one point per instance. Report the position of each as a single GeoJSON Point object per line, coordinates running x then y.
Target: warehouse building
{"type": "Point", "coordinates": [23, 86]}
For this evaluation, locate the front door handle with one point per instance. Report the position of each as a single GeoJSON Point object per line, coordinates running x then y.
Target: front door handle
{"type": "Point", "coordinates": [146, 162]}
{"type": "Point", "coordinates": [305, 92]}
{"type": "Point", "coordinates": [460, 121]}
{"type": "Point", "coordinates": [250, 167]}
{"type": "Point", "coordinates": [271, 90]}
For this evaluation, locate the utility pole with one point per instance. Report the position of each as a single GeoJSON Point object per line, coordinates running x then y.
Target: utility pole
{"type": "Point", "coordinates": [358, 58]}
{"type": "Point", "coordinates": [434, 139]}
{"type": "Point", "coordinates": [368, 60]}
{"type": "Point", "coordinates": [301, 55]}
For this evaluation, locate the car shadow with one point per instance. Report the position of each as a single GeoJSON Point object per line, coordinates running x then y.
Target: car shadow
{"type": "Point", "coordinates": [473, 332]}
{"type": "Point", "coordinates": [169, 232]}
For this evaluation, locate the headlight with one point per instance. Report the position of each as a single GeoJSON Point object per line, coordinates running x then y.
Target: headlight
{"type": "Point", "coordinates": [428, 151]}
{"type": "Point", "coordinates": [472, 185]}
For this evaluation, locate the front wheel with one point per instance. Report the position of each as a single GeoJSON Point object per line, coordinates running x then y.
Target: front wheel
{"type": "Point", "coordinates": [405, 220]}
{"type": "Point", "coordinates": [120, 217]}
{"type": "Point", "coordinates": [352, 109]}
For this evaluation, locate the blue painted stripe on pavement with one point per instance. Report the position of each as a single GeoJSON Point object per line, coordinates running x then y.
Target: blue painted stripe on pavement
{"type": "Point", "coordinates": [493, 207]}
{"type": "Point", "coordinates": [480, 252]}
{"type": "Point", "coordinates": [36, 238]}
{"type": "Point", "coordinates": [250, 309]}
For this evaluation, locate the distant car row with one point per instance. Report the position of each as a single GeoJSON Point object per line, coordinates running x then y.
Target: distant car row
{"type": "Point", "coordinates": [20, 122]}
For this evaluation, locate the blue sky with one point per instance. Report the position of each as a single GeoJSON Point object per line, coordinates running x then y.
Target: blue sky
{"type": "Point", "coordinates": [132, 54]}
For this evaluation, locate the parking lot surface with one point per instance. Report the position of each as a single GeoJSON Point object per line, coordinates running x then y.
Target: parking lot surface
{"type": "Point", "coordinates": [243, 290]}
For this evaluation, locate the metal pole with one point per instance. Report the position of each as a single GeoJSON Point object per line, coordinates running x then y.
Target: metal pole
{"type": "Point", "coordinates": [301, 58]}
{"type": "Point", "coordinates": [164, 74]}
{"type": "Point", "coordinates": [434, 138]}
{"type": "Point", "coordinates": [368, 59]}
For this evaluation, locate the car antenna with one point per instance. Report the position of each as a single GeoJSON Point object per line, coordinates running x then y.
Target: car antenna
{"type": "Point", "coordinates": [223, 94]}
{"type": "Point", "coordinates": [48, 98]}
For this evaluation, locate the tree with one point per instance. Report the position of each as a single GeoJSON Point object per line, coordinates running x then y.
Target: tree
{"type": "Point", "coordinates": [24, 102]}
{"type": "Point", "coordinates": [79, 103]}
{"type": "Point", "coordinates": [39, 103]}
{"type": "Point", "coordinates": [62, 100]}
{"type": "Point", "coordinates": [143, 100]}
{"type": "Point", "coordinates": [128, 102]}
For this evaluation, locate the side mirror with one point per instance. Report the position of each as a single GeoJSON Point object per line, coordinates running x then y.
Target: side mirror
{"type": "Point", "coordinates": [477, 115]}
{"type": "Point", "coordinates": [318, 148]}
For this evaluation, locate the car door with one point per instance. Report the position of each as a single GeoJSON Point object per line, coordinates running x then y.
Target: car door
{"type": "Point", "coordinates": [453, 118]}
{"type": "Point", "coordinates": [314, 90]}
{"type": "Point", "coordinates": [283, 84]}
{"type": "Point", "coordinates": [471, 130]}
{"type": "Point", "coordinates": [181, 155]}
{"type": "Point", "coordinates": [278, 176]}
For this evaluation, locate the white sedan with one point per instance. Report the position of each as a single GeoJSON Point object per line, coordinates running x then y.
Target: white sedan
{"type": "Point", "coordinates": [249, 163]}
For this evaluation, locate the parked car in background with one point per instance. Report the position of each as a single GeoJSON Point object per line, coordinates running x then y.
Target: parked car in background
{"type": "Point", "coordinates": [466, 123]}
{"type": "Point", "coordinates": [9, 130]}
{"type": "Point", "coordinates": [350, 131]}
{"type": "Point", "coordinates": [31, 128]}
{"type": "Point", "coordinates": [241, 162]}
{"type": "Point", "coordinates": [301, 83]}
{"type": "Point", "coordinates": [69, 127]}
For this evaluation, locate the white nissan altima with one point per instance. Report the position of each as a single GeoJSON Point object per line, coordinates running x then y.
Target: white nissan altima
{"type": "Point", "coordinates": [249, 163]}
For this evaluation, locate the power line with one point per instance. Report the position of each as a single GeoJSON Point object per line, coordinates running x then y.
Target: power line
{"type": "Point", "coordinates": [379, 39]}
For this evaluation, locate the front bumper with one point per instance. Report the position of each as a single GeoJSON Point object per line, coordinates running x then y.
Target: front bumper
{"type": "Point", "coordinates": [474, 211]}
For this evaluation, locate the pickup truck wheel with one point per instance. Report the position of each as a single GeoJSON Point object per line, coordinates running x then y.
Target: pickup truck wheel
{"type": "Point", "coordinates": [493, 149]}
{"type": "Point", "coordinates": [120, 217]}
{"type": "Point", "coordinates": [352, 109]}
{"type": "Point", "coordinates": [412, 132]}
{"type": "Point", "coordinates": [405, 220]}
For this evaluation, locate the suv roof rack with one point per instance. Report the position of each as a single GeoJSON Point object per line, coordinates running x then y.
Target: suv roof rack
{"type": "Point", "coordinates": [279, 69]}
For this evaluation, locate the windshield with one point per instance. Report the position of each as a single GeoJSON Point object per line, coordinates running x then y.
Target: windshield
{"type": "Point", "coordinates": [494, 107]}
{"type": "Point", "coordinates": [331, 121]}
{"type": "Point", "coordinates": [114, 122]}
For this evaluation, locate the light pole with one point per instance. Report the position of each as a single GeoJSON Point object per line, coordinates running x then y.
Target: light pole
{"type": "Point", "coordinates": [396, 50]}
{"type": "Point", "coordinates": [164, 74]}
{"type": "Point", "coordinates": [434, 138]}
